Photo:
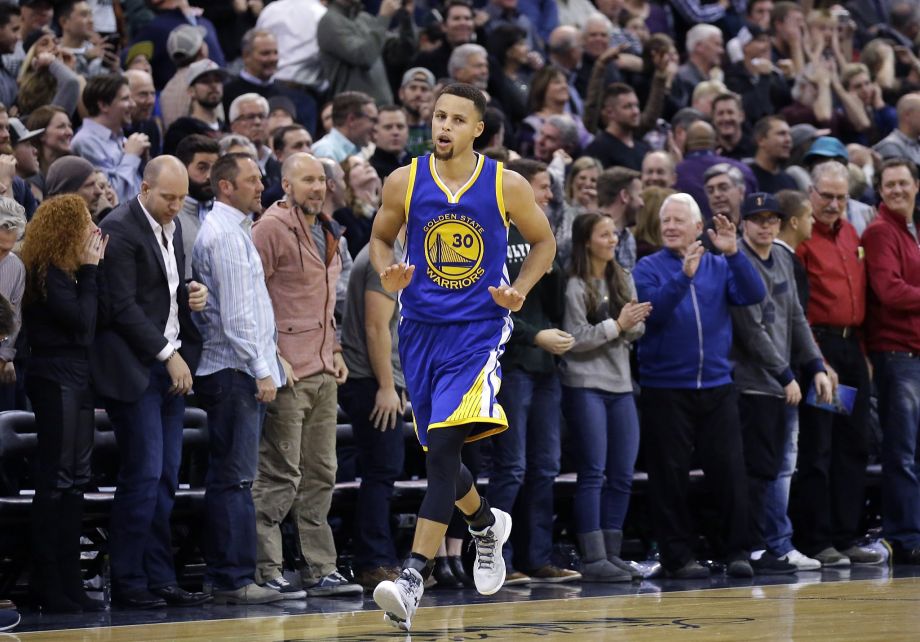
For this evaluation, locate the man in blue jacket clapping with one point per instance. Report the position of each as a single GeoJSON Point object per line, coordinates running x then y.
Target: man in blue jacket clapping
{"type": "Point", "coordinates": [689, 404]}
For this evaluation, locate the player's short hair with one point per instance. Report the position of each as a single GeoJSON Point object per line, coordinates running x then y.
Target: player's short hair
{"type": "Point", "coordinates": [464, 90]}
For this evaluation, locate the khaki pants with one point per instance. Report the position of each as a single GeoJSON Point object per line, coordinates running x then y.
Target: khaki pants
{"type": "Point", "coordinates": [297, 465]}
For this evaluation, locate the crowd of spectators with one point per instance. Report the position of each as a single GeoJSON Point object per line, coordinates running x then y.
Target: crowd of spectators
{"type": "Point", "coordinates": [187, 190]}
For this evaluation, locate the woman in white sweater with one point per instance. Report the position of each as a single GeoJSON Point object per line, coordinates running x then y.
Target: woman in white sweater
{"type": "Point", "coordinates": [602, 314]}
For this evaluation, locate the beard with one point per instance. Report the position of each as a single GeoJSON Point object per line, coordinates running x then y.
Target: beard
{"type": "Point", "coordinates": [444, 156]}
{"type": "Point", "coordinates": [209, 104]}
{"type": "Point", "coordinates": [201, 192]}
{"type": "Point", "coordinates": [307, 209]}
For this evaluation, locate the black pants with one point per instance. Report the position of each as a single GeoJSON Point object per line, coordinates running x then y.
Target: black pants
{"type": "Point", "coordinates": [829, 491]}
{"type": "Point", "coordinates": [380, 463]}
{"type": "Point", "coordinates": [678, 426]}
{"type": "Point", "coordinates": [763, 429]}
{"type": "Point", "coordinates": [65, 424]}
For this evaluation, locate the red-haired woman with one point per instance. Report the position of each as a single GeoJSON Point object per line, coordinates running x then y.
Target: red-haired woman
{"type": "Point", "coordinates": [61, 252]}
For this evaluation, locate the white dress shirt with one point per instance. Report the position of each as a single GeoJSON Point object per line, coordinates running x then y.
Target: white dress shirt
{"type": "Point", "coordinates": [164, 238]}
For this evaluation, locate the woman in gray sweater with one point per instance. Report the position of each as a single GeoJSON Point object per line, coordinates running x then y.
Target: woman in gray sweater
{"type": "Point", "coordinates": [602, 314]}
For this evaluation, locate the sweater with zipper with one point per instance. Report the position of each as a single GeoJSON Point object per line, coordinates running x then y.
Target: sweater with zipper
{"type": "Point", "coordinates": [302, 266]}
{"type": "Point", "coordinates": [600, 356]}
{"type": "Point", "coordinates": [688, 335]}
{"type": "Point", "coordinates": [771, 336]}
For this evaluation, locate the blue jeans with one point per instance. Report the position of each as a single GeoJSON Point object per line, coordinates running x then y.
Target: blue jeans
{"type": "Point", "coordinates": [380, 463]}
{"type": "Point", "coordinates": [234, 424]}
{"type": "Point", "coordinates": [777, 528]}
{"type": "Point", "coordinates": [149, 437]}
{"type": "Point", "coordinates": [898, 379]}
{"type": "Point", "coordinates": [605, 427]}
{"type": "Point", "coordinates": [526, 461]}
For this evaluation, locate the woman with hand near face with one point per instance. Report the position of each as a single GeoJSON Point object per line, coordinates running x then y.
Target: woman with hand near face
{"type": "Point", "coordinates": [64, 288]}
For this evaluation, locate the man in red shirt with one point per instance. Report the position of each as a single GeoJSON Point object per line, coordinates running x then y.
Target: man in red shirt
{"type": "Point", "coordinates": [893, 340]}
{"type": "Point", "coordinates": [833, 448]}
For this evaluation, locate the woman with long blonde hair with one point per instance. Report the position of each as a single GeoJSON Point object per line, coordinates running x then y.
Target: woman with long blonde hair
{"type": "Point", "coordinates": [45, 77]}
{"type": "Point", "coordinates": [61, 252]}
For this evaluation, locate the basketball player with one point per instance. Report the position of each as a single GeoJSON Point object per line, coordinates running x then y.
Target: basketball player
{"type": "Point", "coordinates": [455, 304]}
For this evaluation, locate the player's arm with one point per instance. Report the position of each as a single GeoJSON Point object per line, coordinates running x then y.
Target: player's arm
{"type": "Point", "coordinates": [524, 212]}
{"type": "Point", "coordinates": [390, 217]}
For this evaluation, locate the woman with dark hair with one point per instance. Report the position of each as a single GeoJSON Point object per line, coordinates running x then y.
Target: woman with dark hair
{"type": "Point", "coordinates": [512, 69]}
{"type": "Point", "coordinates": [549, 96]}
{"type": "Point", "coordinates": [61, 252]}
{"type": "Point", "coordinates": [53, 143]}
{"type": "Point", "coordinates": [602, 314]}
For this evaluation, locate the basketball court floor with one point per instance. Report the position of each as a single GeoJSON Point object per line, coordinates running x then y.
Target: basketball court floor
{"type": "Point", "coordinates": [862, 603]}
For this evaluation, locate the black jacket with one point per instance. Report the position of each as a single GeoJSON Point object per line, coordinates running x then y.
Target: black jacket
{"type": "Point", "coordinates": [127, 345]}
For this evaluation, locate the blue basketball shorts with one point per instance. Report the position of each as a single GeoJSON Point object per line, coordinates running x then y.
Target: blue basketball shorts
{"type": "Point", "coordinates": [453, 374]}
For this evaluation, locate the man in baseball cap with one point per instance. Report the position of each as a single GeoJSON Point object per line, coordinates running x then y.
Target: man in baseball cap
{"type": "Point", "coordinates": [416, 94]}
{"type": "Point", "coordinates": [768, 338]}
{"type": "Point", "coordinates": [185, 43]}
{"type": "Point", "coordinates": [23, 149]}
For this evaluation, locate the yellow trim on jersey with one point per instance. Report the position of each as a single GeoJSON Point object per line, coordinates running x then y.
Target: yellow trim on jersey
{"type": "Point", "coordinates": [471, 404]}
{"type": "Point", "coordinates": [502, 421]}
{"type": "Point", "coordinates": [412, 169]}
{"type": "Point", "coordinates": [501, 426]}
{"type": "Point", "coordinates": [500, 192]}
{"type": "Point", "coordinates": [451, 197]}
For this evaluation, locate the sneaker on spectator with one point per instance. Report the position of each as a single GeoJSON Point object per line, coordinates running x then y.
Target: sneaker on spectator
{"type": "Point", "coordinates": [801, 561]}
{"type": "Point", "coordinates": [369, 578]}
{"type": "Point", "coordinates": [768, 564]}
{"type": "Point", "coordinates": [288, 591]}
{"type": "Point", "coordinates": [692, 570]}
{"type": "Point", "coordinates": [249, 594]}
{"type": "Point", "coordinates": [333, 584]}
{"type": "Point", "coordinates": [863, 556]}
{"type": "Point", "coordinates": [830, 557]}
{"type": "Point", "coordinates": [553, 575]}
{"type": "Point", "coordinates": [514, 578]}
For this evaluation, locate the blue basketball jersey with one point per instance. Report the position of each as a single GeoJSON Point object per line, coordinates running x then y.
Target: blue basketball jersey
{"type": "Point", "coordinates": [457, 243]}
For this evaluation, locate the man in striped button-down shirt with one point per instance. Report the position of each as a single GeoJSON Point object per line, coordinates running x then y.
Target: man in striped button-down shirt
{"type": "Point", "coordinates": [239, 373]}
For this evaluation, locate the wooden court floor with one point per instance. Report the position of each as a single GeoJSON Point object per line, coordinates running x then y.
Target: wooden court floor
{"type": "Point", "coordinates": [882, 609]}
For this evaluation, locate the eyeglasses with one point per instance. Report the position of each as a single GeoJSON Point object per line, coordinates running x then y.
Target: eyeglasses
{"type": "Point", "coordinates": [831, 197]}
{"type": "Point", "coordinates": [251, 117]}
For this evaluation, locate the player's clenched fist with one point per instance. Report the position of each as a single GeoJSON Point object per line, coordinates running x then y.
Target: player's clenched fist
{"type": "Point", "coordinates": [396, 277]}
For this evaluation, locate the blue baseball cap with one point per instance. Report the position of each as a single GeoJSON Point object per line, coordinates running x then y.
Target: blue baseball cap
{"type": "Point", "coordinates": [759, 202]}
{"type": "Point", "coordinates": [827, 147]}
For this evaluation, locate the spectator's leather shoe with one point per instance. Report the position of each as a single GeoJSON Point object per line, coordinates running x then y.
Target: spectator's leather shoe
{"type": "Point", "coordinates": [176, 596]}
{"type": "Point", "coordinates": [138, 600]}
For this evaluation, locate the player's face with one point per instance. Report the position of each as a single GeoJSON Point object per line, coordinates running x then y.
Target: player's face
{"type": "Point", "coordinates": [454, 125]}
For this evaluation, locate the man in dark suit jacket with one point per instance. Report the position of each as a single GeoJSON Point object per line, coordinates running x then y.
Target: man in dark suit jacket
{"type": "Point", "coordinates": [141, 367]}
